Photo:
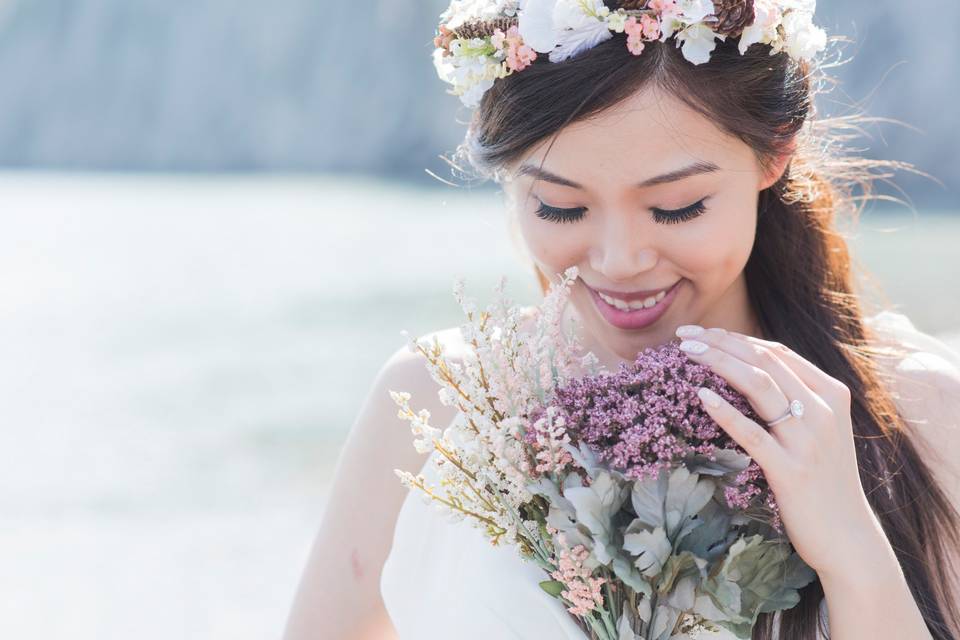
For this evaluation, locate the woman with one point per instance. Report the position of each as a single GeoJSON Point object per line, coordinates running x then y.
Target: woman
{"type": "Point", "coordinates": [698, 200]}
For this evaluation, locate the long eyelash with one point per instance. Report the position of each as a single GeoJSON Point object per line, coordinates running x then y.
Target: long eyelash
{"type": "Point", "coordinates": [553, 214]}
{"type": "Point", "coordinates": [674, 216]}
{"type": "Point", "coordinates": [662, 216]}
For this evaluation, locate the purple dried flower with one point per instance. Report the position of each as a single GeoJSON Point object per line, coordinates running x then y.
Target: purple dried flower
{"type": "Point", "coordinates": [647, 417]}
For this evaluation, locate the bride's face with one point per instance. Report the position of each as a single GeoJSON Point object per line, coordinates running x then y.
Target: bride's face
{"type": "Point", "coordinates": [646, 198]}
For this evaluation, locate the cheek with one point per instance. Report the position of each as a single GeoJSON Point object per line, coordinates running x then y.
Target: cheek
{"type": "Point", "coordinates": [720, 248]}
{"type": "Point", "coordinates": [554, 245]}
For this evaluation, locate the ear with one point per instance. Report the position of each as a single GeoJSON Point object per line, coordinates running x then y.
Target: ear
{"type": "Point", "coordinates": [775, 170]}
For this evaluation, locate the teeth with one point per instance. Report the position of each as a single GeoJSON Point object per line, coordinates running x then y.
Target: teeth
{"type": "Point", "coordinates": [623, 305]}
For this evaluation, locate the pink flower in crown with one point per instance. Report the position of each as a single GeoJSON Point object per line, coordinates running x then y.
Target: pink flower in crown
{"type": "Point", "coordinates": [519, 55]}
{"type": "Point", "coordinates": [635, 45]}
{"type": "Point", "coordinates": [634, 31]}
{"type": "Point", "coordinates": [651, 27]}
{"type": "Point", "coordinates": [661, 6]}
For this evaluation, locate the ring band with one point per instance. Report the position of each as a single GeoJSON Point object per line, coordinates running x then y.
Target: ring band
{"type": "Point", "coordinates": [795, 411]}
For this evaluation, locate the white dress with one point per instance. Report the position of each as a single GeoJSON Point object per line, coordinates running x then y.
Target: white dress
{"type": "Point", "coordinates": [445, 580]}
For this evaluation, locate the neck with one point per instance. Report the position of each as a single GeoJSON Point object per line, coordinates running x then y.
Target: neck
{"type": "Point", "coordinates": [734, 312]}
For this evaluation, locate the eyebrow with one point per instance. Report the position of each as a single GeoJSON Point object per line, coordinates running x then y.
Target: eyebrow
{"type": "Point", "coordinates": [694, 169]}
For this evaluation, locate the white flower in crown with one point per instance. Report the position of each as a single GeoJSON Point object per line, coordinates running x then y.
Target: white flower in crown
{"type": "Point", "coordinates": [803, 39]}
{"type": "Point", "coordinates": [470, 74]}
{"type": "Point", "coordinates": [697, 42]}
{"type": "Point", "coordinates": [563, 28]}
{"type": "Point", "coordinates": [765, 26]}
{"type": "Point", "coordinates": [785, 25]}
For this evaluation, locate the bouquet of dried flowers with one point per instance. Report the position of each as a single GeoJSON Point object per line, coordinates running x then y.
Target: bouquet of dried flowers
{"type": "Point", "coordinates": [648, 520]}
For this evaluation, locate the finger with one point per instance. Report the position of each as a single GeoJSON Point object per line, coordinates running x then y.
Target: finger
{"type": "Point", "coordinates": [755, 440]}
{"type": "Point", "coordinates": [756, 384]}
{"type": "Point", "coordinates": [768, 359]}
{"type": "Point", "coordinates": [809, 373]}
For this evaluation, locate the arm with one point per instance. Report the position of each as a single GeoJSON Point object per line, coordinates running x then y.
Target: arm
{"type": "Point", "coordinates": [872, 599]}
{"type": "Point", "coordinates": [338, 597]}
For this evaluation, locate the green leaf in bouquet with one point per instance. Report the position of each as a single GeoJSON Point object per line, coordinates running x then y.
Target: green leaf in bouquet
{"type": "Point", "coordinates": [680, 566]}
{"type": "Point", "coordinates": [796, 575]}
{"type": "Point", "coordinates": [763, 573]}
{"type": "Point", "coordinates": [684, 593]}
{"type": "Point", "coordinates": [727, 461]}
{"type": "Point", "coordinates": [584, 456]}
{"type": "Point", "coordinates": [546, 487]}
{"type": "Point", "coordinates": [761, 570]}
{"type": "Point", "coordinates": [595, 507]}
{"type": "Point", "coordinates": [714, 535]}
{"type": "Point", "coordinates": [625, 626]}
{"type": "Point", "coordinates": [648, 496]}
{"type": "Point", "coordinates": [664, 620]}
{"type": "Point", "coordinates": [625, 570]}
{"type": "Point", "coordinates": [553, 587]}
{"type": "Point", "coordinates": [778, 575]}
{"type": "Point", "coordinates": [687, 494]}
{"type": "Point", "coordinates": [706, 605]}
{"type": "Point", "coordinates": [543, 564]}
{"type": "Point", "coordinates": [643, 609]}
{"type": "Point", "coordinates": [562, 515]}
{"type": "Point", "coordinates": [575, 533]}
{"type": "Point", "coordinates": [722, 585]}
{"type": "Point", "coordinates": [652, 548]}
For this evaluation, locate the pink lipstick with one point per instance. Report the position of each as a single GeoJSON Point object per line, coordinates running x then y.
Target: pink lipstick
{"type": "Point", "coordinates": [634, 318]}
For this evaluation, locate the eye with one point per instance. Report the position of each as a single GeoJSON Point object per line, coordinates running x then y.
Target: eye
{"type": "Point", "coordinates": [553, 214]}
{"type": "Point", "coordinates": [674, 216]}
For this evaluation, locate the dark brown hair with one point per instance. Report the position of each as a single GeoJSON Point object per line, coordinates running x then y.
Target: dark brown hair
{"type": "Point", "coordinates": [799, 272]}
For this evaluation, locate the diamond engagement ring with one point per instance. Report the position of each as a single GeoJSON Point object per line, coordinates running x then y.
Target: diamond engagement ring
{"type": "Point", "coordinates": [795, 411]}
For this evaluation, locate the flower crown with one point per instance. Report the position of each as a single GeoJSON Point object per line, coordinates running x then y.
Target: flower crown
{"type": "Point", "coordinates": [479, 41]}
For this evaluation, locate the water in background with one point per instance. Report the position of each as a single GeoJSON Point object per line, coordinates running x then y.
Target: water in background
{"type": "Point", "coordinates": [180, 360]}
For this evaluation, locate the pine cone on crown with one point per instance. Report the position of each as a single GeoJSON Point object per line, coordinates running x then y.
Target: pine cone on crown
{"type": "Point", "coordinates": [482, 28]}
{"type": "Point", "coordinates": [733, 16]}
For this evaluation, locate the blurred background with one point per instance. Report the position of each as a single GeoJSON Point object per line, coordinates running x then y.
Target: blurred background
{"type": "Point", "coordinates": [217, 217]}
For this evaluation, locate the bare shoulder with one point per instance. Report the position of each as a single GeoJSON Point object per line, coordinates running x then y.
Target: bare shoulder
{"type": "Point", "coordinates": [406, 370]}
{"type": "Point", "coordinates": [339, 592]}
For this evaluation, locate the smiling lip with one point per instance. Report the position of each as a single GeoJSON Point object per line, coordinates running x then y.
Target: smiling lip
{"type": "Point", "coordinates": [631, 296]}
{"type": "Point", "coordinates": [634, 319]}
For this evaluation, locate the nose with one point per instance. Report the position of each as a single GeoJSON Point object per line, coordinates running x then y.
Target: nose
{"type": "Point", "coordinates": [622, 252]}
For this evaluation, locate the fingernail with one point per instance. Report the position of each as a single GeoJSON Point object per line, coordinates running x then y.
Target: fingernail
{"type": "Point", "coordinates": [709, 397]}
{"type": "Point", "coordinates": [694, 346]}
{"type": "Point", "coordinates": [689, 330]}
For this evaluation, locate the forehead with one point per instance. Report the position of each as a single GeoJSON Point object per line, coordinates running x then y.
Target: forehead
{"type": "Point", "coordinates": [648, 134]}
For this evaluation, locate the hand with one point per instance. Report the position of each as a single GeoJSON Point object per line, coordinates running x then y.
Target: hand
{"type": "Point", "coordinates": [810, 462]}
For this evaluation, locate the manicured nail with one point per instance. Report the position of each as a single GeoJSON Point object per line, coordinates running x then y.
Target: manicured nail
{"type": "Point", "coordinates": [709, 397]}
{"type": "Point", "coordinates": [694, 346]}
{"type": "Point", "coordinates": [689, 330]}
